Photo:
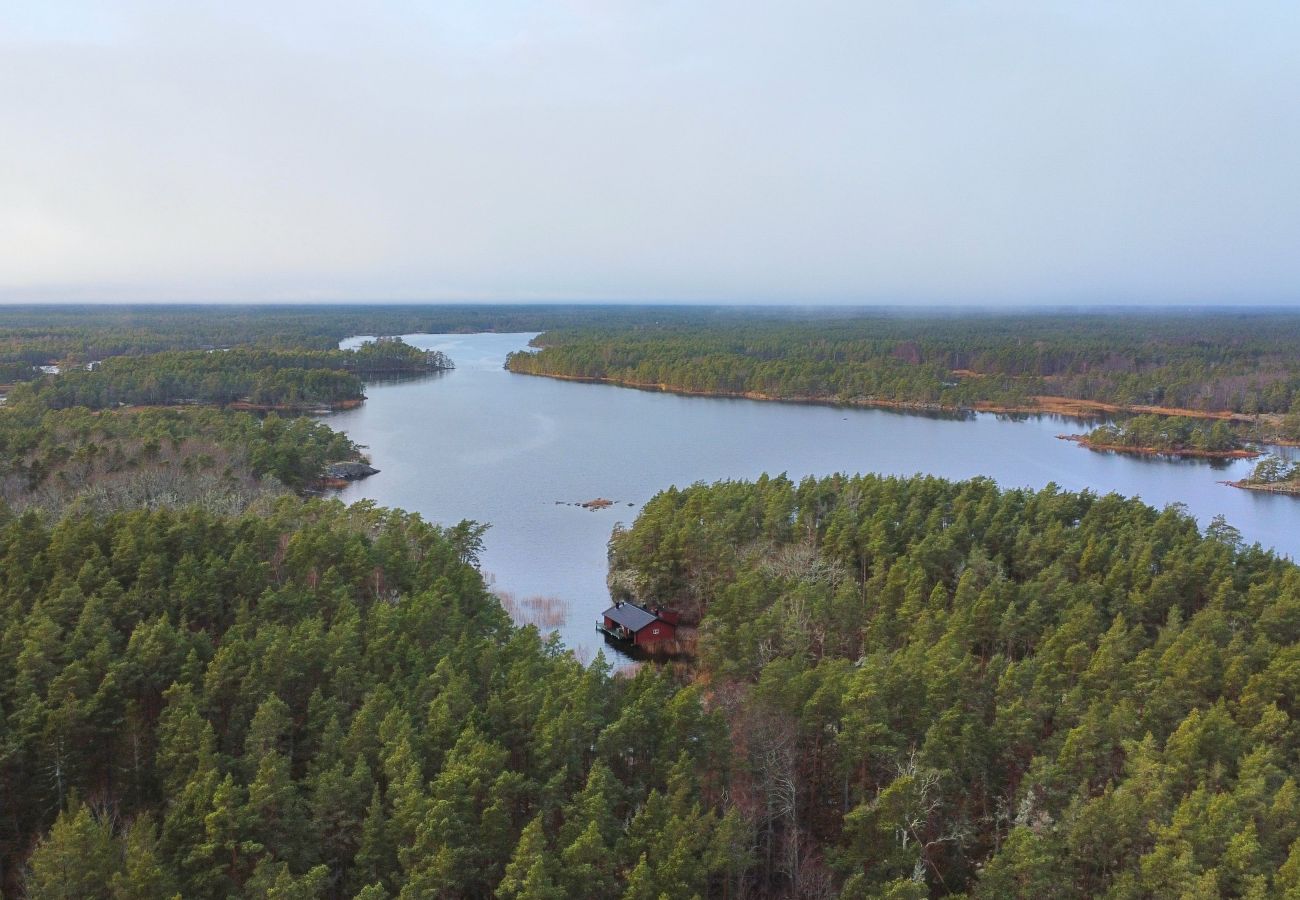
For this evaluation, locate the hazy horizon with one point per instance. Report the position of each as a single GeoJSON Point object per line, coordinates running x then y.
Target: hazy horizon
{"type": "Point", "coordinates": [993, 154]}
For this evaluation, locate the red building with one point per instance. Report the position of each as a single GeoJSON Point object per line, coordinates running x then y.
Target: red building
{"type": "Point", "coordinates": [637, 624]}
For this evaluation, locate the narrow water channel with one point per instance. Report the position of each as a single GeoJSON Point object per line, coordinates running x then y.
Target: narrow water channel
{"type": "Point", "coordinates": [518, 452]}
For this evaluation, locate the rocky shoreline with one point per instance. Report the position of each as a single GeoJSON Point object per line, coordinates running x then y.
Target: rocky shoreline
{"type": "Point", "coordinates": [1290, 488]}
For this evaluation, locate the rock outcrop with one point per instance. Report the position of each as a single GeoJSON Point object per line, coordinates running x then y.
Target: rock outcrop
{"type": "Point", "coordinates": [349, 471]}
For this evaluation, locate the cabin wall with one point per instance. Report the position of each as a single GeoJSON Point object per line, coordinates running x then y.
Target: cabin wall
{"type": "Point", "coordinates": [655, 632]}
{"type": "Point", "coordinates": [671, 616]}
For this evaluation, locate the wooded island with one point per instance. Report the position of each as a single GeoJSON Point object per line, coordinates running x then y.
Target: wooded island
{"type": "Point", "coordinates": [1167, 436]}
{"type": "Point", "coordinates": [1274, 475]}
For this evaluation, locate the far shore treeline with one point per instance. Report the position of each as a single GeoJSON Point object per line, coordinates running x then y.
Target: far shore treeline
{"type": "Point", "coordinates": [217, 428]}
{"type": "Point", "coordinates": [1097, 363]}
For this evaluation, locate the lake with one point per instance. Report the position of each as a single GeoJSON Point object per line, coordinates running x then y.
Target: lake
{"type": "Point", "coordinates": [482, 443]}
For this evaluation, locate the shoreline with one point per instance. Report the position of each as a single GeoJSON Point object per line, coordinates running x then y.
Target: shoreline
{"type": "Point", "coordinates": [1045, 404]}
{"type": "Point", "coordinates": [658, 388]}
{"type": "Point", "coordinates": [297, 408]}
{"type": "Point", "coordinates": [245, 406]}
{"type": "Point", "coordinates": [1083, 441]}
{"type": "Point", "coordinates": [1290, 489]}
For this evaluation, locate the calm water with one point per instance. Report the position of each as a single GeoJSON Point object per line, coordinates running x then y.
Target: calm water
{"type": "Point", "coordinates": [481, 443]}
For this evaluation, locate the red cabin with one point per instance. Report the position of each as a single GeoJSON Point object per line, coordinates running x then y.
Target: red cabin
{"type": "Point", "coordinates": [637, 624]}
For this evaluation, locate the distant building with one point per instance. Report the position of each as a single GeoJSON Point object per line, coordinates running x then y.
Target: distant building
{"type": "Point", "coordinates": [637, 624]}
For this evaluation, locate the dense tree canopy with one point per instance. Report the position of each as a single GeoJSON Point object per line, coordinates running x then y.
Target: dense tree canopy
{"type": "Point", "coordinates": [905, 688]}
{"type": "Point", "coordinates": [937, 687]}
{"type": "Point", "coordinates": [271, 378]}
{"type": "Point", "coordinates": [70, 439]}
{"type": "Point", "coordinates": [212, 687]}
{"type": "Point", "coordinates": [55, 459]}
{"type": "Point", "coordinates": [32, 336]}
{"type": "Point", "coordinates": [314, 701]}
{"type": "Point", "coordinates": [160, 430]}
{"type": "Point", "coordinates": [1246, 363]}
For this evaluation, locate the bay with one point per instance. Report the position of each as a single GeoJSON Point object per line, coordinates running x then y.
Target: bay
{"type": "Point", "coordinates": [518, 451]}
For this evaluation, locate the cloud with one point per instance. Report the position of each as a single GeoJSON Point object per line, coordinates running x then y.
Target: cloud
{"type": "Point", "coordinates": [772, 152]}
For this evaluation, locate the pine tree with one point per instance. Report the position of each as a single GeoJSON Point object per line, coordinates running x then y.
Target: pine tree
{"type": "Point", "coordinates": [186, 741]}
{"type": "Point", "coordinates": [227, 850]}
{"type": "Point", "coordinates": [275, 812]}
{"type": "Point", "coordinates": [77, 860]}
{"type": "Point", "coordinates": [595, 803]}
{"type": "Point", "coordinates": [527, 876]}
{"type": "Point", "coordinates": [272, 880]}
{"type": "Point", "coordinates": [143, 875]}
{"type": "Point", "coordinates": [641, 883]}
{"type": "Point", "coordinates": [376, 859]}
{"type": "Point", "coordinates": [587, 866]}
{"type": "Point", "coordinates": [372, 892]}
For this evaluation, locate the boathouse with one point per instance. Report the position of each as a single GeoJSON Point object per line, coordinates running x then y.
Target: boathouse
{"type": "Point", "coordinates": [638, 624]}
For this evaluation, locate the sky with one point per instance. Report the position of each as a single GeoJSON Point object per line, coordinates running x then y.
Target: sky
{"type": "Point", "coordinates": [956, 152]}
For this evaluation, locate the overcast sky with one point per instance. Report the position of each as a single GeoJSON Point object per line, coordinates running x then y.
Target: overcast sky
{"type": "Point", "coordinates": [861, 152]}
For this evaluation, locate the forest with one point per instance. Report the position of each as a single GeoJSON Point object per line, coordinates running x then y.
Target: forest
{"type": "Point", "coordinates": [307, 700]}
{"type": "Point", "coordinates": [1244, 363]}
{"type": "Point", "coordinates": [264, 378]}
{"type": "Point", "coordinates": [179, 428]}
{"type": "Point", "coordinates": [904, 688]}
{"type": "Point", "coordinates": [1241, 361]}
{"type": "Point", "coordinates": [98, 462]}
{"type": "Point", "coordinates": [215, 683]}
{"type": "Point", "coordinates": [940, 688]}
{"type": "Point", "coordinates": [74, 335]}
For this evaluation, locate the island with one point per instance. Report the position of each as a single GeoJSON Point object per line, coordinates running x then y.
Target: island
{"type": "Point", "coordinates": [1274, 475]}
{"type": "Point", "coordinates": [1180, 436]}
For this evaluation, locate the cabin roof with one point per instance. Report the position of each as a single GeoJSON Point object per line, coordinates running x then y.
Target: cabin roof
{"type": "Point", "coordinates": [630, 616]}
